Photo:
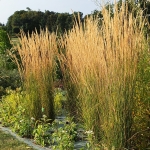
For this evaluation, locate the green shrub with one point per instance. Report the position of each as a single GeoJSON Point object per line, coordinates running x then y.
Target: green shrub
{"type": "Point", "coordinates": [9, 76]}
{"type": "Point", "coordinates": [4, 41]}
{"type": "Point", "coordinates": [10, 79]}
{"type": "Point", "coordinates": [41, 131]}
{"type": "Point", "coordinates": [13, 113]}
{"type": "Point", "coordinates": [64, 135]}
{"type": "Point", "coordinates": [10, 105]}
{"type": "Point", "coordinates": [21, 123]}
{"type": "Point", "coordinates": [5, 46]}
{"type": "Point", "coordinates": [2, 91]}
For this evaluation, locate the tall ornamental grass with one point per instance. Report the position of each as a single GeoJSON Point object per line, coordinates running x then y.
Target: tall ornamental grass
{"type": "Point", "coordinates": [37, 66]}
{"type": "Point", "coordinates": [99, 68]}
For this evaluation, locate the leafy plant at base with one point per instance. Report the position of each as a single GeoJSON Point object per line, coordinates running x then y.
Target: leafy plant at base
{"type": "Point", "coordinates": [14, 115]}
{"type": "Point", "coordinates": [22, 124]}
{"type": "Point", "coordinates": [42, 131]}
{"type": "Point", "coordinates": [64, 135]}
{"type": "Point", "coordinates": [91, 144]}
{"type": "Point", "coordinates": [5, 115]}
{"type": "Point", "coordinates": [9, 105]}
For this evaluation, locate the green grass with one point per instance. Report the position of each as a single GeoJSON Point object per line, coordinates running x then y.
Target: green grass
{"type": "Point", "coordinates": [8, 142]}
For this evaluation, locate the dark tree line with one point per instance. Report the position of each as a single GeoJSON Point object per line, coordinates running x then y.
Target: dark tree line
{"type": "Point", "coordinates": [29, 20]}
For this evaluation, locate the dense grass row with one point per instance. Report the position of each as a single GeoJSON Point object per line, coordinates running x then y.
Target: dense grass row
{"type": "Point", "coordinates": [103, 66]}
{"type": "Point", "coordinates": [101, 74]}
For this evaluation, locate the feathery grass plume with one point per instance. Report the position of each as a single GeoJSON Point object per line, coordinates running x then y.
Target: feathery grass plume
{"type": "Point", "coordinates": [37, 53]}
{"type": "Point", "coordinates": [100, 66]}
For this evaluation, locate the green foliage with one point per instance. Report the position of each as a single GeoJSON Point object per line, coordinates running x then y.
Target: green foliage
{"type": "Point", "coordinates": [59, 100]}
{"type": "Point", "coordinates": [21, 124]}
{"type": "Point", "coordinates": [29, 20]}
{"type": "Point", "coordinates": [5, 45]}
{"type": "Point", "coordinates": [90, 141]}
{"type": "Point", "coordinates": [33, 101]}
{"type": "Point", "coordinates": [13, 113]}
{"type": "Point", "coordinates": [141, 115]}
{"type": "Point", "coordinates": [2, 91]}
{"type": "Point", "coordinates": [10, 105]}
{"type": "Point", "coordinates": [41, 131]}
{"type": "Point", "coordinates": [9, 78]}
{"type": "Point", "coordinates": [65, 135]}
{"type": "Point", "coordinates": [5, 114]}
{"type": "Point", "coordinates": [4, 41]}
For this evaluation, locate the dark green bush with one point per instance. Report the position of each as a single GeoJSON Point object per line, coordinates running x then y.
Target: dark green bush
{"type": "Point", "coordinates": [8, 79]}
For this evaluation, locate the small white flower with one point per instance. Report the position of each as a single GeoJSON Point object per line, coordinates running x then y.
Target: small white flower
{"type": "Point", "coordinates": [32, 118]}
{"type": "Point", "coordinates": [63, 131]}
{"type": "Point", "coordinates": [44, 116]}
{"type": "Point", "coordinates": [89, 132]}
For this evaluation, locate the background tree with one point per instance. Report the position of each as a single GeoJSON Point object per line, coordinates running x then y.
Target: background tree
{"type": "Point", "coordinates": [29, 20]}
{"type": "Point", "coordinates": [4, 41]}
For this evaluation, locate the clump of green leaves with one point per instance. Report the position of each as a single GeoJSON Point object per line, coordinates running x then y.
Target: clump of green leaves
{"type": "Point", "coordinates": [10, 106]}
{"type": "Point", "coordinates": [13, 113]}
{"type": "Point", "coordinates": [22, 124]}
{"type": "Point", "coordinates": [9, 79]}
{"type": "Point", "coordinates": [41, 132]}
{"type": "Point", "coordinates": [64, 135]}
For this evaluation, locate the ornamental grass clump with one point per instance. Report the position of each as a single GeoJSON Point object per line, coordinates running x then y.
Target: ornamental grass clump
{"type": "Point", "coordinates": [99, 68]}
{"type": "Point", "coordinates": [37, 66]}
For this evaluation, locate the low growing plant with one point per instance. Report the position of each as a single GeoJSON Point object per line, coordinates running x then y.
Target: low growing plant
{"type": "Point", "coordinates": [22, 124]}
{"type": "Point", "coordinates": [9, 79]}
{"type": "Point", "coordinates": [64, 135]}
{"type": "Point", "coordinates": [5, 116]}
{"type": "Point", "coordinates": [41, 132]}
{"type": "Point", "coordinates": [10, 105]}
